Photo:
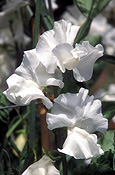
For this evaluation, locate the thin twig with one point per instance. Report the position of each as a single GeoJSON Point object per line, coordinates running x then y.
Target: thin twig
{"type": "Point", "coordinates": [16, 106]}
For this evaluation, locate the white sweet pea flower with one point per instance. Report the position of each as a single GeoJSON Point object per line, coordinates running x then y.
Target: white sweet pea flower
{"type": "Point", "coordinates": [80, 144]}
{"type": "Point", "coordinates": [43, 167]}
{"type": "Point", "coordinates": [55, 49]}
{"type": "Point", "coordinates": [82, 116]}
{"type": "Point", "coordinates": [29, 80]}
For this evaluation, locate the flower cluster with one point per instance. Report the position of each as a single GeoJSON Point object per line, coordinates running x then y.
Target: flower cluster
{"type": "Point", "coordinates": [82, 116]}
{"type": "Point", "coordinates": [80, 113]}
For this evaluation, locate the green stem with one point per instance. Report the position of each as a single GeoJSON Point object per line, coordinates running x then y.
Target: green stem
{"type": "Point", "coordinates": [37, 22]}
{"type": "Point", "coordinates": [16, 124]}
{"type": "Point", "coordinates": [50, 9]}
{"type": "Point", "coordinates": [32, 105]}
{"type": "Point", "coordinates": [64, 163]}
{"type": "Point", "coordinates": [32, 124]}
{"type": "Point", "coordinates": [60, 136]}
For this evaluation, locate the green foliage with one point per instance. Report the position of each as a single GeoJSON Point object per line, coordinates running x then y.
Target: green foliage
{"type": "Point", "coordinates": [83, 31]}
{"type": "Point", "coordinates": [110, 112]}
{"type": "Point", "coordinates": [107, 141]}
{"type": "Point", "coordinates": [4, 114]}
{"type": "Point", "coordinates": [70, 84]}
{"type": "Point", "coordinates": [37, 22]}
{"type": "Point", "coordinates": [47, 19]}
{"type": "Point", "coordinates": [91, 8]}
{"type": "Point", "coordinates": [26, 158]}
{"type": "Point", "coordinates": [4, 118]}
{"type": "Point", "coordinates": [94, 40]}
{"type": "Point", "coordinates": [102, 165]}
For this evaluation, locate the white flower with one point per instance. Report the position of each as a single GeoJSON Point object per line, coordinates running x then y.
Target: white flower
{"type": "Point", "coordinates": [9, 8]}
{"type": "Point", "coordinates": [29, 79]}
{"type": "Point", "coordinates": [80, 144]}
{"type": "Point", "coordinates": [43, 167]}
{"type": "Point", "coordinates": [82, 116]}
{"type": "Point", "coordinates": [55, 48]}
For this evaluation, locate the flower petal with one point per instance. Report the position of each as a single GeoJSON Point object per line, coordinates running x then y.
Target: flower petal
{"type": "Point", "coordinates": [84, 69]}
{"type": "Point", "coordinates": [28, 65]}
{"type": "Point", "coordinates": [42, 167]}
{"type": "Point", "coordinates": [80, 144]}
{"type": "Point", "coordinates": [22, 91]}
{"type": "Point", "coordinates": [62, 32]}
{"type": "Point", "coordinates": [77, 110]}
{"type": "Point", "coordinates": [64, 57]}
{"type": "Point", "coordinates": [65, 32]}
{"type": "Point", "coordinates": [44, 51]}
{"type": "Point", "coordinates": [45, 79]}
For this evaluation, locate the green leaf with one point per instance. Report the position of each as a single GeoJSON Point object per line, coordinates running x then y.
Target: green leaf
{"type": "Point", "coordinates": [32, 124]}
{"type": "Point", "coordinates": [108, 58]}
{"type": "Point", "coordinates": [4, 113]}
{"type": "Point", "coordinates": [83, 31]}
{"type": "Point", "coordinates": [26, 158]}
{"type": "Point", "coordinates": [102, 165]}
{"type": "Point", "coordinates": [107, 141]}
{"type": "Point", "coordinates": [16, 121]}
{"type": "Point", "coordinates": [70, 84]}
{"type": "Point", "coordinates": [110, 112]}
{"type": "Point", "coordinates": [4, 118]}
{"type": "Point", "coordinates": [91, 8]}
{"type": "Point", "coordinates": [27, 15]}
{"type": "Point", "coordinates": [94, 40]}
{"type": "Point", "coordinates": [47, 20]}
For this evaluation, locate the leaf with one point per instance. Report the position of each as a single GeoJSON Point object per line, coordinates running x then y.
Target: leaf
{"type": "Point", "coordinates": [108, 58]}
{"type": "Point", "coordinates": [91, 8]}
{"type": "Point", "coordinates": [4, 114]}
{"type": "Point", "coordinates": [4, 118]}
{"type": "Point", "coordinates": [26, 158]}
{"type": "Point", "coordinates": [106, 159]}
{"type": "Point", "coordinates": [47, 20]}
{"type": "Point", "coordinates": [27, 15]}
{"type": "Point", "coordinates": [70, 84]}
{"type": "Point", "coordinates": [16, 121]}
{"type": "Point", "coordinates": [94, 40]}
{"type": "Point", "coordinates": [107, 141]}
{"type": "Point", "coordinates": [110, 112]}
{"type": "Point", "coordinates": [37, 22]}
{"type": "Point", "coordinates": [83, 31]}
{"type": "Point", "coordinates": [102, 165]}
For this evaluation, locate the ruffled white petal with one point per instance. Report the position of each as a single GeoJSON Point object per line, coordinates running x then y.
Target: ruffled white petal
{"type": "Point", "coordinates": [21, 91]}
{"type": "Point", "coordinates": [32, 69]}
{"type": "Point", "coordinates": [77, 110]}
{"type": "Point", "coordinates": [28, 66]}
{"type": "Point", "coordinates": [45, 79]}
{"type": "Point", "coordinates": [29, 80]}
{"type": "Point", "coordinates": [42, 167]}
{"type": "Point", "coordinates": [62, 32]}
{"type": "Point", "coordinates": [80, 144]}
{"type": "Point", "coordinates": [84, 69]}
{"type": "Point", "coordinates": [65, 32]}
{"type": "Point", "coordinates": [44, 51]}
{"type": "Point", "coordinates": [64, 57]}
